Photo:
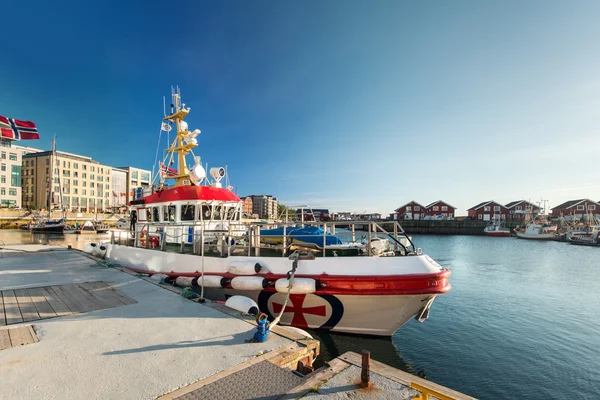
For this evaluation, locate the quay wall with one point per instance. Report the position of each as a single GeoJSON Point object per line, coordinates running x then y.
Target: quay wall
{"type": "Point", "coordinates": [444, 227]}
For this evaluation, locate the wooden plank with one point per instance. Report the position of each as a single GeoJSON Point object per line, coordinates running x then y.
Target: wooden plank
{"type": "Point", "coordinates": [103, 294]}
{"type": "Point", "coordinates": [116, 293]}
{"type": "Point", "coordinates": [317, 378]}
{"type": "Point", "coordinates": [20, 336]}
{"type": "Point", "coordinates": [27, 307]}
{"type": "Point", "coordinates": [93, 302]}
{"type": "Point", "coordinates": [4, 340]}
{"type": "Point", "coordinates": [69, 300]}
{"type": "Point", "coordinates": [11, 308]}
{"type": "Point", "coordinates": [59, 307]}
{"type": "Point", "coordinates": [33, 334]}
{"type": "Point", "coordinates": [41, 304]}
{"type": "Point", "coordinates": [71, 291]}
{"type": "Point", "coordinates": [2, 313]}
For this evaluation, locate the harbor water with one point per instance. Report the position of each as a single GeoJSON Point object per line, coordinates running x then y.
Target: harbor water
{"type": "Point", "coordinates": [521, 321]}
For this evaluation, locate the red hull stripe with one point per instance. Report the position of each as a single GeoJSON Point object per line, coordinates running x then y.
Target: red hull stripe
{"type": "Point", "coordinates": [434, 283]}
{"type": "Point", "coordinates": [191, 193]}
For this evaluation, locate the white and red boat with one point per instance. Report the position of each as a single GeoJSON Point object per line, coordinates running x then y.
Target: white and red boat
{"type": "Point", "coordinates": [496, 228]}
{"type": "Point", "coordinates": [194, 233]}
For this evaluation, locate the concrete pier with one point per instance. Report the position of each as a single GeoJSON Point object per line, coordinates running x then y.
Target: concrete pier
{"type": "Point", "coordinates": [143, 350]}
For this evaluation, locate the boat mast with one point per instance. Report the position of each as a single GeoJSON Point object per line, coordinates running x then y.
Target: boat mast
{"type": "Point", "coordinates": [178, 113]}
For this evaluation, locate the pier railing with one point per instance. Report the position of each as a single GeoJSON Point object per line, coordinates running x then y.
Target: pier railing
{"type": "Point", "coordinates": [250, 239]}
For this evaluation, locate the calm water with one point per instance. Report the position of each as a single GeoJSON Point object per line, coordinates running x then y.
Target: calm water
{"type": "Point", "coordinates": [522, 319]}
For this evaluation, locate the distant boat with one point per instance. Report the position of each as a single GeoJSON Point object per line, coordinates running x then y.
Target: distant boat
{"type": "Point", "coordinates": [537, 231]}
{"type": "Point", "coordinates": [87, 228]}
{"type": "Point", "coordinates": [69, 229]}
{"type": "Point", "coordinates": [496, 228]}
{"type": "Point", "coordinates": [48, 226]}
{"type": "Point", "coordinates": [589, 239]}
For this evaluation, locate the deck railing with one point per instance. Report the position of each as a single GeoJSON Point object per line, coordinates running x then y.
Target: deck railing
{"type": "Point", "coordinates": [229, 241]}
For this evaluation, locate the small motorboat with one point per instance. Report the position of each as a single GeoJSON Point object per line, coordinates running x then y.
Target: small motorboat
{"type": "Point", "coordinates": [87, 228]}
{"type": "Point", "coordinates": [100, 227]}
{"type": "Point", "coordinates": [49, 226]}
{"type": "Point", "coordinates": [593, 239]}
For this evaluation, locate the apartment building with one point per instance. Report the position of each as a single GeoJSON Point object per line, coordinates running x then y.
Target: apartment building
{"type": "Point", "coordinates": [265, 206]}
{"type": "Point", "coordinates": [11, 156]}
{"type": "Point", "coordinates": [120, 179]}
{"type": "Point", "coordinates": [65, 181]}
{"type": "Point", "coordinates": [136, 177]}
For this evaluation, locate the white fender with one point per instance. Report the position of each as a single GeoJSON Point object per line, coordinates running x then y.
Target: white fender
{"type": "Point", "coordinates": [159, 277]}
{"type": "Point", "coordinates": [301, 286]}
{"type": "Point", "coordinates": [211, 281]}
{"type": "Point", "coordinates": [248, 283]}
{"type": "Point", "coordinates": [246, 267]}
{"type": "Point", "coordinates": [89, 248]}
{"type": "Point", "coordinates": [100, 250]}
{"type": "Point", "coordinates": [297, 330]}
{"type": "Point", "coordinates": [185, 281]}
{"type": "Point", "coordinates": [242, 304]}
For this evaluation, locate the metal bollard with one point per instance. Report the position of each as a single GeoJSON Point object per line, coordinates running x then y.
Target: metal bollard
{"type": "Point", "coordinates": [365, 374]}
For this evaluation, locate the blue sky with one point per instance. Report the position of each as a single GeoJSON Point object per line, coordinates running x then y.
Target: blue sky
{"type": "Point", "coordinates": [355, 106]}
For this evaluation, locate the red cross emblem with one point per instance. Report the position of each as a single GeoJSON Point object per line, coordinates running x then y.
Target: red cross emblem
{"type": "Point", "coordinates": [296, 308]}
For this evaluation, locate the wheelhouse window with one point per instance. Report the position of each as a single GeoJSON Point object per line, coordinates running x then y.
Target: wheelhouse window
{"type": "Point", "coordinates": [230, 213]}
{"type": "Point", "coordinates": [188, 212]}
{"type": "Point", "coordinates": [206, 212]}
{"type": "Point", "coordinates": [155, 214]}
{"type": "Point", "coordinates": [149, 213]}
{"type": "Point", "coordinates": [168, 213]}
{"type": "Point", "coordinates": [218, 213]}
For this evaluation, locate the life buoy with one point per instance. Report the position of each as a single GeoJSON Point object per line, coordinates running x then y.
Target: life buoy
{"type": "Point", "coordinates": [153, 240]}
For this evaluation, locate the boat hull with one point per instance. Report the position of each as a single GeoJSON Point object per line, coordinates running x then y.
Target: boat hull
{"type": "Point", "coordinates": [538, 236]}
{"type": "Point", "coordinates": [357, 302]}
{"type": "Point", "coordinates": [48, 229]}
{"type": "Point", "coordinates": [497, 233]}
{"type": "Point", "coordinates": [362, 315]}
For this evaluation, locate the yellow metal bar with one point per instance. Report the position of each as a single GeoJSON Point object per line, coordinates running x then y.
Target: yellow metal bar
{"type": "Point", "coordinates": [185, 147]}
{"type": "Point", "coordinates": [426, 392]}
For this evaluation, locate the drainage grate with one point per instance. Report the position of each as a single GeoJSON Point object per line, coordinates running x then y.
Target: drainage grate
{"type": "Point", "coordinates": [264, 381]}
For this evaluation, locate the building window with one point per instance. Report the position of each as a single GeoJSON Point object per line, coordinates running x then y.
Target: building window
{"type": "Point", "coordinates": [84, 175]}
{"type": "Point", "coordinates": [444, 208]}
{"type": "Point", "coordinates": [518, 208]}
{"type": "Point", "coordinates": [2, 167]}
{"type": "Point", "coordinates": [12, 192]}
{"type": "Point", "coordinates": [12, 157]}
{"type": "Point", "coordinates": [75, 191]}
{"type": "Point", "coordinates": [480, 216]}
{"type": "Point", "coordinates": [2, 179]}
{"type": "Point", "coordinates": [84, 183]}
{"type": "Point", "coordinates": [75, 182]}
{"type": "Point", "coordinates": [591, 207]}
{"type": "Point", "coordinates": [84, 167]}
{"type": "Point", "coordinates": [436, 208]}
{"type": "Point", "coordinates": [408, 208]}
{"type": "Point", "coordinates": [27, 163]}
{"type": "Point", "coordinates": [83, 192]}
{"type": "Point", "coordinates": [417, 208]}
{"type": "Point", "coordinates": [579, 208]}
{"type": "Point", "coordinates": [92, 184]}
{"type": "Point", "coordinates": [496, 208]}
{"type": "Point", "coordinates": [100, 178]}
{"type": "Point", "coordinates": [134, 175]}
{"type": "Point", "coordinates": [4, 155]}
{"type": "Point", "coordinates": [15, 176]}
{"type": "Point", "coordinates": [75, 174]}
{"type": "Point", "coordinates": [486, 208]}
{"type": "Point", "coordinates": [92, 176]}
{"type": "Point", "coordinates": [93, 169]}
{"type": "Point", "coordinates": [93, 193]}
{"type": "Point", "coordinates": [2, 191]}
{"type": "Point", "coordinates": [75, 165]}
{"type": "Point", "coordinates": [187, 212]}
{"type": "Point", "coordinates": [145, 176]}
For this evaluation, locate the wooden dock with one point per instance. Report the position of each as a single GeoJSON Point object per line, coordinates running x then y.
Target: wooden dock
{"type": "Point", "coordinates": [33, 304]}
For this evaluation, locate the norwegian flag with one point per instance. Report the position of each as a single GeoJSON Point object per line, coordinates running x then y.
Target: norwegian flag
{"type": "Point", "coordinates": [18, 130]}
{"type": "Point", "coordinates": [164, 171]}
